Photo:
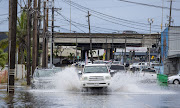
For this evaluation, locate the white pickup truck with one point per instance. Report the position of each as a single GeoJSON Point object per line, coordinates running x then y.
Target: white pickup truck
{"type": "Point", "coordinates": [95, 75]}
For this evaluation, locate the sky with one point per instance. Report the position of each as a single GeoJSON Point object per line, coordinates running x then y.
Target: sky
{"type": "Point", "coordinates": [107, 16]}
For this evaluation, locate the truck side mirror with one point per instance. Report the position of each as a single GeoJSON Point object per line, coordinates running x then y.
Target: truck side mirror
{"type": "Point", "coordinates": [80, 72]}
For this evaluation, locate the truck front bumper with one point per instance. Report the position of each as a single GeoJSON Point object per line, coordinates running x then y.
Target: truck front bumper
{"type": "Point", "coordinates": [95, 83]}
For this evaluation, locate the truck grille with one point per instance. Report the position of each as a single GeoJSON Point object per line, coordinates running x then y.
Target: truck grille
{"type": "Point", "coordinates": [96, 78]}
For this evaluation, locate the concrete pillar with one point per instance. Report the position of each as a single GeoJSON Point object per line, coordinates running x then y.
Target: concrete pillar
{"type": "Point", "coordinates": [82, 54]}
{"type": "Point", "coordinates": [108, 52]}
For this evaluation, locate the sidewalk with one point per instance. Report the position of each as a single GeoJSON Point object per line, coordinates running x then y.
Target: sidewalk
{"type": "Point", "coordinates": [18, 84]}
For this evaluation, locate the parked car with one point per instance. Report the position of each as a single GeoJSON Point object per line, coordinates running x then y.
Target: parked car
{"type": "Point", "coordinates": [81, 63]}
{"type": "Point", "coordinates": [175, 79]}
{"type": "Point", "coordinates": [42, 78]}
{"type": "Point", "coordinates": [95, 75]}
{"type": "Point", "coordinates": [116, 62]}
{"type": "Point", "coordinates": [149, 73]}
{"type": "Point", "coordinates": [114, 68]}
{"type": "Point", "coordinates": [153, 64]}
{"type": "Point", "coordinates": [98, 62]}
{"type": "Point", "coordinates": [139, 66]}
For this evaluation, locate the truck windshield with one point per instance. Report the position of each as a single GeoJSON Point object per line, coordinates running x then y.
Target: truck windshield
{"type": "Point", "coordinates": [44, 73]}
{"type": "Point", "coordinates": [95, 69]}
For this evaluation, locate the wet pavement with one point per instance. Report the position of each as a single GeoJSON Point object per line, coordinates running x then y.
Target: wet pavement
{"type": "Point", "coordinates": [125, 91]}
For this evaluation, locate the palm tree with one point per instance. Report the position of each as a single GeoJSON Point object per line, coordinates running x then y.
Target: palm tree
{"type": "Point", "coordinates": [3, 59]}
{"type": "Point", "coordinates": [21, 36]}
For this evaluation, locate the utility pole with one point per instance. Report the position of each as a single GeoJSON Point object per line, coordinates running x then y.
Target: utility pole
{"type": "Point", "coordinates": [90, 37]}
{"type": "Point", "coordinates": [125, 50]}
{"type": "Point", "coordinates": [9, 34]}
{"type": "Point", "coordinates": [29, 42]}
{"type": "Point", "coordinates": [52, 38]}
{"type": "Point", "coordinates": [39, 27]}
{"type": "Point", "coordinates": [76, 46]}
{"type": "Point", "coordinates": [70, 17]}
{"type": "Point", "coordinates": [112, 48]}
{"type": "Point", "coordinates": [44, 38]}
{"type": "Point", "coordinates": [12, 44]}
{"type": "Point", "coordinates": [162, 15]}
{"type": "Point", "coordinates": [106, 48]}
{"type": "Point", "coordinates": [150, 22]}
{"type": "Point", "coordinates": [170, 13]}
{"type": "Point", "coordinates": [47, 25]}
{"type": "Point", "coordinates": [35, 39]}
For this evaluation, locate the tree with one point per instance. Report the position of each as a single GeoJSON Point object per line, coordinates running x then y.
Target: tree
{"type": "Point", "coordinates": [3, 59]}
{"type": "Point", "coordinates": [21, 37]}
{"type": "Point", "coordinates": [71, 56]}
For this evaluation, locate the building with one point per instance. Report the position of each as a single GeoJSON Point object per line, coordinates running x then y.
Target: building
{"type": "Point", "coordinates": [137, 54]}
{"type": "Point", "coordinates": [170, 50]}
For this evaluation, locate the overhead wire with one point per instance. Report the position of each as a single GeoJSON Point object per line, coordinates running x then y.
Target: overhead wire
{"type": "Point", "coordinates": [107, 29]}
{"type": "Point", "coordinates": [69, 21]}
{"type": "Point", "coordinates": [150, 5]}
{"type": "Point", "coordinates": [116, 22]}
{"type": "Point", "coordinates": [107, 16]}
{"type": "Point", "coordinates": [92, 27]}
{"type": "Point", "coordinates": [113, 21]}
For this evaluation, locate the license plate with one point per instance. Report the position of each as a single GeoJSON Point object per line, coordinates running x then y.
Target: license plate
{"type": "Point", "coordinates": [96, 84]}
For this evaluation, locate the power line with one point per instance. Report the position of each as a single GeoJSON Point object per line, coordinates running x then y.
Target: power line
{"type": "Point", "coordinates": [4, 14]}
{"type": "Point", "coordinates": [103, 16]}
{"type": "Point", "coordinates": [150, 5]}
{"type": "Point", "coordinates": [86, 26]}
{"type": "Point", "coordinates": [1, 22]}
{"type": "Point", "coordinates": [69, 21]}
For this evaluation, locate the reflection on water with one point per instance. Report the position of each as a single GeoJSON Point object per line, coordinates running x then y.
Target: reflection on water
{"type": "Point", "coordinates": [126, 91]}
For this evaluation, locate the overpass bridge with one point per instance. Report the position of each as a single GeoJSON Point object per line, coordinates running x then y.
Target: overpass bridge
{"type": "Point", "coordinates": [105, 40]}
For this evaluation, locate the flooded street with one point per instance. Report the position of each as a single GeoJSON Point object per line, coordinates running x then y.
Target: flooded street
{"type": "Point", "coordinates": [125, 91]}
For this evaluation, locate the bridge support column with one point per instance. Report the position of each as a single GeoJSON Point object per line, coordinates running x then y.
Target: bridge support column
{"type": "Point", "coordinates": [108, 53]}
{"type": "Point", "coordinates": [83, 54]}
{"type": "Point", "coordinates": [107, 47]}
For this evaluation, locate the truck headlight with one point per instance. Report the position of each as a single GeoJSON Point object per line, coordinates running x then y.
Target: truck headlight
{"type": "Point", "coordinates": [84, 78]}
{"type": "Point", "coordinates": [107, 77]}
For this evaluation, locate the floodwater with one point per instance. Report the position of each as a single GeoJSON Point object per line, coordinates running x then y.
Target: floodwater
{"type": "Point", "coordinates": [126, 91]}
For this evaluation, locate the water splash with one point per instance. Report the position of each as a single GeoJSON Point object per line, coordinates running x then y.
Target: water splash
{"type": "Point", "coordinates": [67, 80]}
{"type": "Point", "coordinates": [136, 84]}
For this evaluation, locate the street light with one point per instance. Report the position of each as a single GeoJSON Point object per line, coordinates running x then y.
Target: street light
{"type": "Point", "coordinates": [150, 21]}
